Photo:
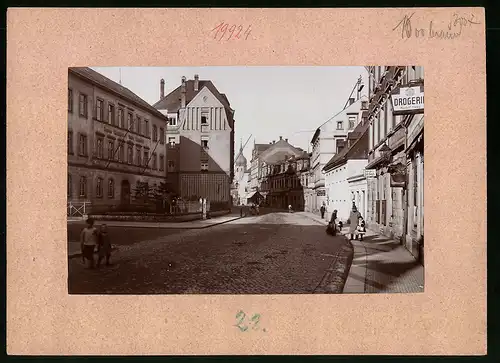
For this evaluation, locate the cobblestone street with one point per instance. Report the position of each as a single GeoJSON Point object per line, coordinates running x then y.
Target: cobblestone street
{"type": "Point", "coordinates": [274, 253]}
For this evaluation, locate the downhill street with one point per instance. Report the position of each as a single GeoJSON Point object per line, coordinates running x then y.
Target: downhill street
{"type": "Point", "coordinates": [268, 254]}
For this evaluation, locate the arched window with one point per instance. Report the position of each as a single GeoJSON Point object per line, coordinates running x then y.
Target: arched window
{"type": "Point", "coordinates": [111, 188]}
{"type": "Point", "coordinates": [98, 187]}
{"type": "Point", "coordinates": [70, 189]}
{"type": "Point", "coordinates": [83, 186]}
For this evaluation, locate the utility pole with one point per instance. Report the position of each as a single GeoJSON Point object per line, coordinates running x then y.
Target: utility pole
{"type": "Point", "coordinates": [358, 83]}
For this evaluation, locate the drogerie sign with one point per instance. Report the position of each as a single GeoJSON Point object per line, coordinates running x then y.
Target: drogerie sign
{"type": "Point", "coordinates": [408, 100]}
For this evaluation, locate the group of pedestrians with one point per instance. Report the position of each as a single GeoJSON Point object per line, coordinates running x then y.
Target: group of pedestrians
{"type": "Point", "coordinates": [92, 238]}
{"type": "Point", "coordinates": [357, 227]}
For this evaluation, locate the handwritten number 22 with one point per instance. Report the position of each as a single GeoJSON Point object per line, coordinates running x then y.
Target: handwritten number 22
{"type": "Point", "coordinates": [241, 315]}
{"type": "Point", "coordinates": [255, 319]}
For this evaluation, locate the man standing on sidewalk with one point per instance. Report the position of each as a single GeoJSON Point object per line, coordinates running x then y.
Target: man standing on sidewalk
{"type": "Point", "coordinates": [322, 210]}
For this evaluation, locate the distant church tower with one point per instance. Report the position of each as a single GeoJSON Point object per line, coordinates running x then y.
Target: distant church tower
{"type": "Point", "coordinates": [241, 164]}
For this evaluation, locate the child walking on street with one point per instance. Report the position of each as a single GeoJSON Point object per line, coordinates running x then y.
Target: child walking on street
{"type": "Point", "coordinates": [88, 241]}
{"type": "Point", "coordinates": [361, 229]}
{"type": "Point", "coordinates": [104, 243]}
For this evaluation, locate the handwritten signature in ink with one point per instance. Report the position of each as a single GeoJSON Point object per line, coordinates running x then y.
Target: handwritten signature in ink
{"type": "Point", "coordinates": [455, 27]}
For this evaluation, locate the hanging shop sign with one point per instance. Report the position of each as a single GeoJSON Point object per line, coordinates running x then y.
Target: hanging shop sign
{"type": "Point", "coordinates": [398, 174]}
{"type": "Point", "coordinates": [408, 100]}
{"type": "Point", "coordinates": [370, 173]}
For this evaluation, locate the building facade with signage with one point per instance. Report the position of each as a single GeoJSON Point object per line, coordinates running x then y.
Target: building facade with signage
{"type": "Point", "coordinates": [201, 131]}
{"type": "Point", "coordinates": [115, 139]}
{"type": "Point", "coordinates": [395, 167]}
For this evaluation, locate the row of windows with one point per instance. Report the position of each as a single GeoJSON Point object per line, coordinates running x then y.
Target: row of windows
{"type": "Point", "coordinates": [283, 183]}
{"type": "Point", "coordinates": [351, 123]}
{"type": "Point", "coordinates": [99, 186]}
{"type": "Point", "coordinates": [117, 152]}
{"type": "Point", "coordinates": [134, 124]}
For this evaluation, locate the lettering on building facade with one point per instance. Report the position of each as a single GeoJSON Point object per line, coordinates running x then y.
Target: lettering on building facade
{"type": "Point", "coordinates": [408, 100]}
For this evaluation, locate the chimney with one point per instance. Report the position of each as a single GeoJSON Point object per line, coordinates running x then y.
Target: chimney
{"type": "Point", "coordinates": [286, 140]}
{"type": "Point", "coordinates": [274, 141]}
{"type": "Point", "coordinates": [281, 137]}
{"type": "Point", "coordinates": [183, 92]}
{"type": "Point", "coordinates": [196, 79]}
{"type": "Point", "coordinates": [162, 89]}
{"type": "Point", "coordinates": [351, 101]}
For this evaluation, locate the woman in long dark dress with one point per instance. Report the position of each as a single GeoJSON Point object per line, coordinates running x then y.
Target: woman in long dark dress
{"type": "Point", "coordinates": [353, 220]}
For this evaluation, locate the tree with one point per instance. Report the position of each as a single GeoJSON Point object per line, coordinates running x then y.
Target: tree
{"type": "Point", "coordinates": [144, 193]}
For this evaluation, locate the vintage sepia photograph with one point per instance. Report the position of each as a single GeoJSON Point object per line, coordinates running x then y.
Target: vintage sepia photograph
{"type": "Point", "coordinates": [245, 180]}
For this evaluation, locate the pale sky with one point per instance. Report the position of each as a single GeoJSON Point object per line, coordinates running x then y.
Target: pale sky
{"type": "Point", "coordinates": [269, 102]}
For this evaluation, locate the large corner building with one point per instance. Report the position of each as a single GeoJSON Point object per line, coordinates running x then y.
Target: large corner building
{"type": "Point", "coordinates": [115, 139]}
{"type": "Point", "coordinates": [200, 138]}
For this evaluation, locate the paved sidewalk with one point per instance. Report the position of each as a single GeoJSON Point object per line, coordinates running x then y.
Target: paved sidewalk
{"type": "Point", "coordinates": [197, 224]}
{"type": "Point", "coordinates": [382, 265]}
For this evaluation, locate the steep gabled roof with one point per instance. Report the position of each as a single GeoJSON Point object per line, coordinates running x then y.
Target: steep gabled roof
{"type": "Point", "coordinates": [261, 148]}
{"type": "Point", "coordinates": [318, 130]}
{"type": "Point", "coordinates": [172, 101]}
{"type": "Point", "coordinates": [278, 150]}
{"type": "Point", "coordinates": [114, 87]}
{"type": "Point", "coordinates": [357, 150]}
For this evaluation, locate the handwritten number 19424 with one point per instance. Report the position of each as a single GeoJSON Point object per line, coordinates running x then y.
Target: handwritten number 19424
{"type": "Point", "coordinates": [227, 31]}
